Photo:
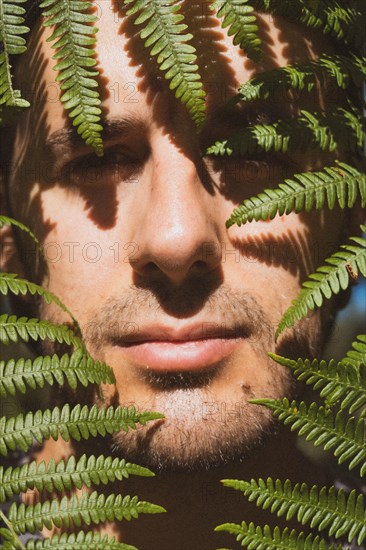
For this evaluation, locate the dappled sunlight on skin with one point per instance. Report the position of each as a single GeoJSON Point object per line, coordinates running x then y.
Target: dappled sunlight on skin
{"type": "Point", "coordinates": [290, 251]}
{"type": "Point", "coordinates": [159, 195]}
{"type": "Point", "coordinates": [185, 274]}
{"type": "Point", "coordinates": [101, 205]}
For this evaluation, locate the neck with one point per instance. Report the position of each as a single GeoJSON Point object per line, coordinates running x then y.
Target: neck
{"type": "Point", "coordinates": [196, 502]}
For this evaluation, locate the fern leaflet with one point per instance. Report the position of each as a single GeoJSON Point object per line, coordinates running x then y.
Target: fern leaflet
{"type": "Point", "coordinates": [357, 355]}
{"type": "Point", "coordinates": [344, 23]}
{"type": "Point", "coordinates": [329, 509]}
{"type": "Point", "coordinates": [256, 537]}
{"type": "Point", "coordinates": [239, 16]}
{"type": "Point", "coordinates": [73, 37]}
{"type": "Point", "coordinates": [77, 423]}
{"type": "Point", "coordinates": [345, 435]}
{"type": "Point", "coordinates": [342, 384]}
{"type": "Point", "coordinates": [89, 508]}
{"type": "Point", "coordinates": [79, 541]}
{"type": "Point", "coordinates": [8, 534]}
{"type": "Point", "coordinates": [11, 282]}
{"type": "Point", "coordinates": [5, 220]}
{"type": "Point", "coordinates": [164, 30]}
{"type": "Point", "coordinates": [12, 42]}
{"type": "Point", "coordinates": [304, 77]}
{"type": "Point", "coordinates": [33, 373]}
{"type": "Point", "coordinates": [63, 476]}
{"type": "Point", "coordinates": [326, 281]}
{"type": "Point", "coordinates": [340, 184]}
{"type": "Point", "coordinates": [12, 328]}
{"type": "Point", "coordinates": [310, 129]}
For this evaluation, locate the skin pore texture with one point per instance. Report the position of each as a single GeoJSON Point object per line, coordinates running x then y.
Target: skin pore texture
{"type": "Point", "coordinates": [183, 309]}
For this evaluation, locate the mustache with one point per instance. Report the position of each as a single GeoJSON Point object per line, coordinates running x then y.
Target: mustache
{"type": "Point", "coordinates": [217, 309]}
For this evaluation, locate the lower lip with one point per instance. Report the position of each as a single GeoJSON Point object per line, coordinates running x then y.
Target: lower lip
{"type": "Point", "coordinates": [169, 356]}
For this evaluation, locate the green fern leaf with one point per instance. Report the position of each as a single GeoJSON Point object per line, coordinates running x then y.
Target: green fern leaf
{"type": "Point", "coordinates": [11, 541]}
{"type": "Point", "coordinates": [76, 368]}
{"type": "Point", "coordinates": [79, 541]}
{"type": "Point", "coordinates": [343, 70]}
{"type": "Point", "coordinates": [87, 471]}
{"type": "Point", "coordinates": [258, 538]}
{"type": "Point", "coordinates": [308, 130]}
{"type": "Point", "coordinates": [342, 22]}
{"type": "Point", "coordinates": [88, 508]}
{"type": "Point", "coordinates": [357, 355]}
{"type": "Point", "coordinates": [164, 32]}
{"type": "Point", "coordinates": [339, 20]}
{"type": "Point", "coordinates": [340, 433]}
{"type": "Point", "coordinates": [73, 38]}
{"type": "Point", "coordinates": [13, 328]}
{"type": "Point", "coordinates": [326, 281]}
{"type": "Point", "coordinates": [340, 184]}
{"type": "Point", "coordinates": [340, 383]}
{"type": "Point", "coordinates": [13, 43]}
{"type": "Point", "coordinates": [11, 282]}
{"type": "Point", "coordinates": [77, 423]}
{"type": "Point", "coordinates": [239, 16]}
{"type": "Point", "coordinates": [5, 220]}
{"type": "Point", "coordinates": [327, 508]}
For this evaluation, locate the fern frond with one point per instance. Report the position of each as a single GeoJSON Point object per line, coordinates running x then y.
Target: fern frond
{"type": "Point", "coordinates": [5, 220]}
{"type": "Point", "coordinates": [341, 184]}
{"type": "Point", "coordinates": [13, 43]}
{"type": "Point", "coordinates": [79, 541]}
{"type": "Point", "coordinates": [327, 508]}
{"type": "Point", "coordinates": [73, 38]}
{"type": "Point", "coordinates": [258, 538]}
{"type": "Point", "coordinates": [13, 328]}
{"type": "Point", "coordinates": [345, 436]}
{"type": "Point", "coordinates": [76, 368]}
{"type": "Point", "coordinates": [88, 508]}
{"type": "Point", "coordinates": [310, 129]}
{"type": "Point", "coordinates": [340, 383]}
{"type": "Point", "coordinates": [326, 281]}
{"type": "Point", "coordinates": [239, 16]}
{"type": "Point", "coordinates": [357, 355]}
{"type": "Point", "coordinates": [61, 476]}
{"type": "Point", "coordinates": [77, 423]}
{"type": "Point", "coordinates": [165, 32]}
{"type": "Point", "coordinates": [335, 18]}
{"type": "Point", "coordinates": [344, 70]}
{"type": "Point", "coordinates": [11, 282]}
{"type": "Point", "coordinates": [342, 22]}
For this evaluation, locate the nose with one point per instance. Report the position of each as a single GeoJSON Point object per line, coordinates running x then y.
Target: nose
{"type": "Point", "coordinates": [177, 227]}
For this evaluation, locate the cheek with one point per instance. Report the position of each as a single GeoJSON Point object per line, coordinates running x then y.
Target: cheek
{"type": "Point", "coordinates": [82, 257]}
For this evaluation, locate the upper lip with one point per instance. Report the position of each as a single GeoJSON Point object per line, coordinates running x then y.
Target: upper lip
{"type": "Point", "coordinates": [198, 331]}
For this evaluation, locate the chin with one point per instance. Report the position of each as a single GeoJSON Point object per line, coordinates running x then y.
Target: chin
{"type": "Point", "coordinates": [195, 434]}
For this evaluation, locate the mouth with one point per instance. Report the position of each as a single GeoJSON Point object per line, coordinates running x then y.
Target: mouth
{"type": "Point", "coordinates": [194, 349]}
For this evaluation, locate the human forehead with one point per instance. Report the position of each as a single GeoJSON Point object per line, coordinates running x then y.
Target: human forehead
{"type": "Point", "coordinates": [130, 81]}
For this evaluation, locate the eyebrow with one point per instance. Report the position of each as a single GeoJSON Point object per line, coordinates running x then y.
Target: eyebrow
{"type": "Point", "coordinates": [65, 139]}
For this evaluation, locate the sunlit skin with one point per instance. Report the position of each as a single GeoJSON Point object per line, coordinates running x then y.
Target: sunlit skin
{"type": "Point", "coordinates": [183, 309]}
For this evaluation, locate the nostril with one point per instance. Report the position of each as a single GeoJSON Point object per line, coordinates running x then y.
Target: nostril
{"type": "Point", "coordinates": [200, 265]}
{"type": "Point", "coordinates": [150, 268]}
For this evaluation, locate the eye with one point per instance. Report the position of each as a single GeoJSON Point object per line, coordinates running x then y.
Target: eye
{"type": "Point", "coordinates": [117, 164]}
{"type": "Point", "coordinates": [263, 170]}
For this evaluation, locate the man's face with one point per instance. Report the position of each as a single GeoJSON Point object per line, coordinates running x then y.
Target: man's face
{"type": "Point", "coordinates": [183, 309]}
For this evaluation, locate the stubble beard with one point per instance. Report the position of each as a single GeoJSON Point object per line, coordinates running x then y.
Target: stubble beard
{"type": "Point", "coordinates": [201, 429]}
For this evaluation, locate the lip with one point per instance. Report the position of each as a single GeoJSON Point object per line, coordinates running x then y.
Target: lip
{"type": "Point", "coordinates": [163, 349]}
